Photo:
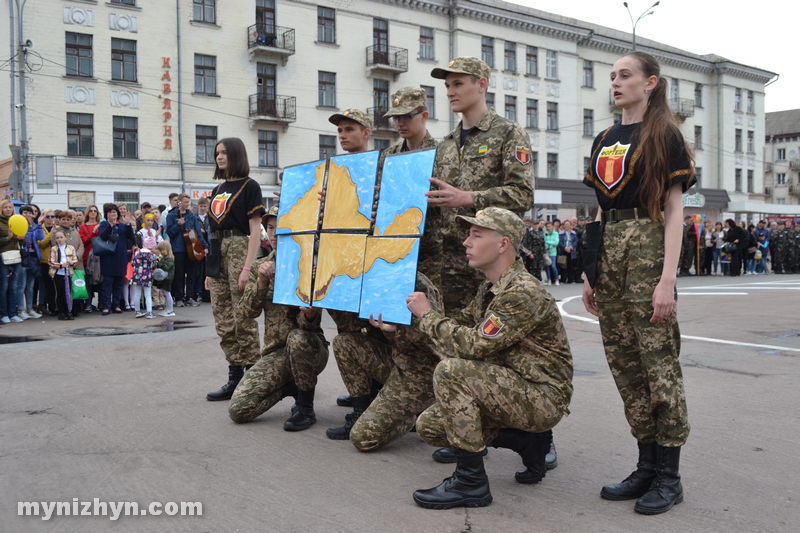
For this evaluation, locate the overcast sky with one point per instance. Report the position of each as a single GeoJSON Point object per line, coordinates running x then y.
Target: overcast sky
{"type": "Point", "coordinates": [757, 33]}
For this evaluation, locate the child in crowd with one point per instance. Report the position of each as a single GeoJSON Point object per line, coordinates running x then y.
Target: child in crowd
{"type": "Point", "coordinates": [62, 258]}
{"type": "Point", "coordinates": [166, 262]}
{"type": "Point", "coordinates": [144, 262]}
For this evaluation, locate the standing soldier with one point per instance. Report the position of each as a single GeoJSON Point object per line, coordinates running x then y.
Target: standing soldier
{"type": "Point", "coordinates": [791, 249]}
{"type": "Point", "coordinates": [689, 244]}
{"type": "Point", "coordinates": [580, 229]}
{"type": "Point", "coordinates": [779, 252]}
{"type": "Point", "coordinates": [410, 114]}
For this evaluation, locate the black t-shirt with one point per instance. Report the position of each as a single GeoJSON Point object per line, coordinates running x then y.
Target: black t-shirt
{"type": "Point", "coordinates": [233, 204]}
{"type": "Point", "coordinates": [617, 167]}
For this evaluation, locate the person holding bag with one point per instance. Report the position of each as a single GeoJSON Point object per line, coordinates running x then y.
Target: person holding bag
{"type": "Point", "coordinates": [114, 266]}
{"type": "Point", "coordinates": [11, 263]}
{"type": "Point", "coordinates": [63, 259]}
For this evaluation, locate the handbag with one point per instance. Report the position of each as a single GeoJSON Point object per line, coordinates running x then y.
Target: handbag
{"type": "Point", "coordinates": [11, 257]}
{"type": "Point", "coordinates": [101, 247]}
{"type": "Point", "coordinates": [79, 285]}
{"type": "Point", "coordinates": [547, 261]}
{"type": "Point", "coordinates": [561, 260]}
{"type": "Point", "coordinates": [751, 250]}
{"type": "Point", "coordinates": [730, 247]}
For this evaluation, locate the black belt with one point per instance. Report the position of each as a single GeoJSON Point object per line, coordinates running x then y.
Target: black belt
{"type": "Point", "coordinates": [225, 233]}
{"type": "Point", "coordinates": [616, 215]}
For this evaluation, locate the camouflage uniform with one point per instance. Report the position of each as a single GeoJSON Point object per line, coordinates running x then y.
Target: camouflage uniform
{"type": "Point", "coordinates": [688, 249]}
{"type": "Point", "coordinates": [509, 365]}
{"type": "Point", "coordinates": [791, 250]}
{"type": "Point", "coordinates": [427, 142]}
{"type": "Point", "coordinates": [577, 263]}
{"type": "Point", "coordinates": [796, 268]}
{"type": "Point", "coordinates": [533, 244]}
{"type": "Point", "coordinates": [642, 356]}
{"type": "Point", "coordinates": [407, 378]}
{"type": "Point", "coordinates": [780, 249]}
{"type": "Point", "coordinates": [238, 335]}
{"type": "Point", "coordinates": [294, 350]}
{"type": "Point", "coordinates": [494, 164]}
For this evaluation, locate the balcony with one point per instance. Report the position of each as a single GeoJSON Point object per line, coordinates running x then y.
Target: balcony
{"type": "Point", "coordinates": [767, 167]}
{"type": "Point", "coordinates": [767, 191]}
{"type": "Point", "coordinates": [387, 59]}
{"type": "Point", "coordinates": [278, 110]}
{"type": "Point", "coordinates": [794, 164]}
{"type": "Point", "coordinates": [379, 122]}
{"type": "Point", "coordinates": [270, 40]}
{"type": "Point", "coordinates": [794, 190]}
{"type": "Point", "coordinates": [682, 107]}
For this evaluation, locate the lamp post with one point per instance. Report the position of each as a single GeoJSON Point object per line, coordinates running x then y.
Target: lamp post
{"type": "Point", "coordinates": [646, 12]}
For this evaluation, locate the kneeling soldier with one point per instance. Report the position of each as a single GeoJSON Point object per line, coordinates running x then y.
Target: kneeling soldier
{"type": "Point", "coordinates": [508, 378]}
{"type": "Point", "coordinates": [295, 350]}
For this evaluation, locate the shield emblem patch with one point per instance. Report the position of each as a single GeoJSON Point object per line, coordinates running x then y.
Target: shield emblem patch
{"type": "Point", "coordinates": [492, 326]}
{"type": "Point", "coordinates": [220, 203]}
{"type": "Point", "coordinates": [611, 164]}
{"type": "Point", "coordinates": [523, 155]}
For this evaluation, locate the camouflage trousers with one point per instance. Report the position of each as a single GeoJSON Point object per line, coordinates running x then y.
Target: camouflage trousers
{"type": "Point", "coordinates": [302, 359]}
{"type": "Point", "coordinates": [406, 392]}
{"type": "Point", "coordinates": [642, 356]}
{"type": "Point", "coordinates": [238, 335]}
{"type": "Point", "coordinates": [475, 399]}
{"type": "Point", "coordinates": [360, 358]}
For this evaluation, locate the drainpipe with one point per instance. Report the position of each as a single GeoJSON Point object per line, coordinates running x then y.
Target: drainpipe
{"type": "Point", "coordinates": [180, 100]}
{"type": "Point", "coordinates": [12, 53]}
{"type": "Point", "coordinates": [452, 16]}
{"type": "Point", "coordinates": [719, 125]}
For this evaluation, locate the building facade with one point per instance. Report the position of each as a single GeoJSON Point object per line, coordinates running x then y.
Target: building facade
{"type": "Point", "coordinates": [782, 160]}
{"type": "Point", "coordinates": [126, 98]}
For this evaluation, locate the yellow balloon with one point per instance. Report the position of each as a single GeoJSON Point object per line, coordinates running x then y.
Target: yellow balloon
{"type": "Point", "coordinates": [18, 225]}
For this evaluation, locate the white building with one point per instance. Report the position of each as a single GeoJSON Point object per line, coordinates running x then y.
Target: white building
{"type": "Point", "coordinates": [128, 97]}
{"type": "Point", "coordinates": [782, 161]}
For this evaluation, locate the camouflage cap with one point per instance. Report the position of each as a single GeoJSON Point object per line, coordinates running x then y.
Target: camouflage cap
{"type": "Point", "coordinates": [273, 212]}
{"type": "Point", "coordinates": [463, 65]}
{"type": "Point", "coordinates": [406, 100]}
{"type": "Point", "coordinates": [352, 114]}
{"type": "Point", "coordinates": [500, 220]}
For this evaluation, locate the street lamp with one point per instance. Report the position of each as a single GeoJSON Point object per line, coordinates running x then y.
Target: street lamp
{"type": "Point", "coordinates": [647, 11]}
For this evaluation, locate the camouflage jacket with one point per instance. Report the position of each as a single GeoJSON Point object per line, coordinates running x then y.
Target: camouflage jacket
{"type": "Point", "coordinates": [411, 348]}
{"type": "Point", "coordinates": [533, 243]}
{"type": "Point", "coordinates": [427, 142]}
{"type": "Point", "coordinates": [279, 320]}
{"type": "Point", "coordinates": [515, 324]}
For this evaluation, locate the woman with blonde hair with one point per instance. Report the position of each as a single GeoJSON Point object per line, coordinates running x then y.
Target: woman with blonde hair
{"type": "Point", "coordinates": [10, 265]}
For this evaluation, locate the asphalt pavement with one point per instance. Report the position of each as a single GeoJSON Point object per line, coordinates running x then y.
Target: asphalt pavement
{"type": "Point", "coordinates": [113, 409]}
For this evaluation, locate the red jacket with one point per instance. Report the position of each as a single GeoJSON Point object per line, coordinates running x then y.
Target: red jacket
{"type": "Point", "coordinates": [87, 232]}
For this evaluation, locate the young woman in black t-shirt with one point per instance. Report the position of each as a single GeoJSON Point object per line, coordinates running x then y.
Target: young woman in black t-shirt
{"type": "Point", "coordinates": [639, 170]}
{"type": "Point", "coordinates": [235, 223]}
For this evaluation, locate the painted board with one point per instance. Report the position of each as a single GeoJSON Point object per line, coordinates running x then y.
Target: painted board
{"type": "Point", "coordinates": [293, 267]}
{"type": "Point", "coordinates": [340, 268]}
{"type": "Point", "coordinates": [402, 205]}
{"type": "Point", "coordinates": [390, 273]}
{"type": "Point", "coordinates": [350, 191]}
{"type": "Point", "coordinates": [299, 205]}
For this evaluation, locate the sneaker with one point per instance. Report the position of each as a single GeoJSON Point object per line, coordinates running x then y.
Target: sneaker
{"type": "Point", "coordinates": [16, 319]}
{"type": "Point", "coordinates": [140, 314]}
{"type": "Point", "coordinates": [150, 315]}
{"type": "Point", "coordinates": [166, 313]}
{"type": "Point", "coordinates": [179, 303]}
{"type": "Point", "coordinates": [192, 303]}
{"type": "Point", "coordinates": [557, 283]}
{"type": "Point", "coordinates": [5, 320]}
{"type": "Point", "coordinates": [34, 314]}
{"type": "Point", "coordinates": [23, 315]}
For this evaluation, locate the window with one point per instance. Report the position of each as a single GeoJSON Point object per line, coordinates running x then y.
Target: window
{"type": "Point", "coordinates": [588, 73]}
{"type": "Point", "coordinates": [698, 95]}
{"type": "Point", "coordinates": [674, 89]}
{"type": "Point", "coordinates": [535, 163]}
{"type": "Point", "coordinates": [532, 114]}
{"type": "Point", "coordinates": [738, 183]}
{"type": "Point", "coordinates": [698, 175]}
{"type": "Point", "coordinates": [205, 140]}
{"type": "Point", "coordinates": [126, 138]}
{"type": "Point", "coordinates": [267, 148]}
{"type": "Point", "coordinates": [737, 100]}
{"type": "Point", "coordinates": [552, 165]}
{"type": "Point", "coordinates": [552, 116]}
{"type": "Point", "coordinates": [751, 142]}
{"type": "Point", "coordinates": [426, 43]}
{"type": "Point", "coordinates": [265, 16]}
{"type": "Point", "coordinates": [380, 41]}
{"type": "Point", "coordinates": [380, 95]}
{"type": "Point", "coordinates": [587, 162]}
{"type": "Point", "coordinates": [327, 146]}
{"type": "Point", "coordinates": [80, 134]}
{"type": "Point", "coordinates": [588, 122]}
{"type": "Point", "coordinates": [737, 145]}
{"type": "Point", "coordinates": [205, 11]}
{"type": "Point", "coordinates": [127, 3]}
{"type": "Point", "coordinates": [380, 144]}
{"type": "Point", "coordinates": [780, 201]}
{"type": "Point", "coordinates": [487, 51]}
{"type": "Point", "coordinates": [532, 61]}
{"type": "Point", "coordinates": [781, 178]}
{"type": "Point", "coordinates": [617, 118]}
{"type": "Point", "coordinates": [698, 137]}
{"type": "Point", "coordinates": [490, 100]}
{"type": "Point", "coordinates": [326, 25]}
{"type": "Point", "coordinates": [751, 104]}
{"type": "Point", "coordinates": [750, 180]}
{"type": "Point", "coordinates": [129, 198]}
{"type": "Point", "coordinates": [79, 54]}
{"type": "Point", "coordinates": [510, 57]}
{"type": "Point", "coordinates": [511, 108]}
{"type": "Point", "coordinates": [205, 74]}
{"type": "Point", "coordinates": [123, 60]}
{"type": "Point", "coordinates": [327, 89]}
{"type": "Point", "coordinates": [430, 92]}
{"type": "Point", "coordinates": [552, 64]}
{"type": "Point", "coordinates": [781, 154]}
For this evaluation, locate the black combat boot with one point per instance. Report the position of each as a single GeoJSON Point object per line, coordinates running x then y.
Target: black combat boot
{"type": "Point", "coordinates": [551, 459]}
{"type": "Point", "coordinates": [532, 448]}
{"type": "Point", "coordinates": [666, 490]}
{"type": "Point", "coordinates": [447, 455]}
{"type": "Point", "coordinates": [302, 417]}
{"type": "Point", "coordinates": [360, 404]}
{"type": "Point", "coordinates": [467, 487]}
{"type": "Point", "coordinates": [638, 483]}
{"type": "Point", "coordinates": [347, 400]}
{"type": "Point", "coordinates": [235, 373]}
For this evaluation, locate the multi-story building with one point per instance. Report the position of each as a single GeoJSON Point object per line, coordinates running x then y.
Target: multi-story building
{"type": "Point", "coordinates": [782, 161]}
{"type": "Point", "coordinates": [127, 98]}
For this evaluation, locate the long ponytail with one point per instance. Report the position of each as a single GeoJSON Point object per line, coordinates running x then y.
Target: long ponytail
{"type": "Point", "coordinates": [658, 138]}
